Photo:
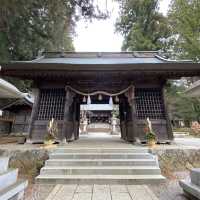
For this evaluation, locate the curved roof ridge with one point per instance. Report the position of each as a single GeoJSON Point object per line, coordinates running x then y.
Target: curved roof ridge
{"type": "Point", "coordinates": [130, 54]}
{"type": "Point", "coordinates": [29, 61]}
{"type": "Point", "coordinates": [193, 86]}
{"type": "Point", "coordinates": [10, 89]}
{"type": "Point", "coordinates": [122, 54]}
{"type": "Point", "coordinates": [170, 60]}
{"type": "Point", "coordinates": [112, 52]}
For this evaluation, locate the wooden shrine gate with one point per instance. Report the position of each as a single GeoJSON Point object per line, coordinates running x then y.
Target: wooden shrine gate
{"type": "Point", "coordinates": [135, 80]}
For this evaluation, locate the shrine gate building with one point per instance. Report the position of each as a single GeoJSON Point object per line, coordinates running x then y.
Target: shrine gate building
{"type": "Point", "coordinates": [134, 80]}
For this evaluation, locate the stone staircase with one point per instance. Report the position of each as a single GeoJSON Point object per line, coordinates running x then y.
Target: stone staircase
{"type": "Point", "coordinates": [10, 187]}
{"type": "Point", "coordinates": [101, 166]}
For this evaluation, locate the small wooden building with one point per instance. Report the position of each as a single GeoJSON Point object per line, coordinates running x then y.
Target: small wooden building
{"type": "Point", "coordinates": [15, 108]}
{"type": "Point", "coordinates": [16, 116]}
{"type": "Point", "coordinates": [134, 80]}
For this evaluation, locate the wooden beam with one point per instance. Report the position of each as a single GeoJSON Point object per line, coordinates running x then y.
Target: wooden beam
{"type": "Point", "coordinates": [123, 121]}
{"type": "Point", "coordinates": [75, 118]}
{"type": "Point", "coordinates": [169, 127]}
{"type": "Point", "coordinates": [66, 130]}
{"type": "Point", "coordinates": [131, 98]}
{"type": "Point", "coordinates": [36, 92]}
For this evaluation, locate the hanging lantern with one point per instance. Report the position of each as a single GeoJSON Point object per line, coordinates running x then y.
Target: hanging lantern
{"type": "Point", "coordinates": [111, 101]}
{"type": "Point", "coordinates": [88, 100]}
{"type": "Point", "coordinates": [116, 99]}
{"type": "Point", "coordinates": [84, 99]}
{"type": "Point", "coordinates": [100, 97]}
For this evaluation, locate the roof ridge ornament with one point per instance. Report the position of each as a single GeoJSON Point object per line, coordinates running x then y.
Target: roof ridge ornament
{"type": "Point", "coordinates": [170, 60]}
{"type": "Point", "coordinates": [99, 54]}
{"type": "Point", "coordinates": [144, 54]}
{"type": "Point", "coordinates": [62, 55]}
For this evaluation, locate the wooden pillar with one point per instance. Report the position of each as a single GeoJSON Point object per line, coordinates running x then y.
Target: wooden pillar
{"type": "Point", "coordinates": [168, 122]}
{"type": "Point", "coordinates": [132, 136]}
{"type": "Point", "coordinates": [121, 119]}
{"type": "Point", "coordinates": [78, 118]}
{"type": "Point", "coordinates": [75, 119]}
{"type": "Point", "coordinates": [123, 112]}
{"type": "Point", "coordinates": [34, 113]}
{"type": "Point", "coordinates": [66, 130]}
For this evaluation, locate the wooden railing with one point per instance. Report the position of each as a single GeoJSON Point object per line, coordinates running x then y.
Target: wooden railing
{"type": "Point", "coordinates": [7, 118]}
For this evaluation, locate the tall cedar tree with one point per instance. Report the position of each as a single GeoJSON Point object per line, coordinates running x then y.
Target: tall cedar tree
{"type": "Point", "coordinates": [184, 17]}
{"type": "Point", "coordinates": [142, 26]}
{"type": "Point", "coordinates": [27, 28]}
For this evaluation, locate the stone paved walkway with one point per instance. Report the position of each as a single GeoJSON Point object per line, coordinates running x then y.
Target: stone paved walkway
{"type": "Point", "coordinates": [167, 191]}
{"type": "Point", "coordinates": [103, 140]}
{"type": "Point", "coordinates": [101, 192]}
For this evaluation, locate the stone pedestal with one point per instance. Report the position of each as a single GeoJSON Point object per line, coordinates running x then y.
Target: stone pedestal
{"type": "Point", "coordinates": [192, 186]}
{"type": "Point", "coordinates": [10, 187]}
{"type": "Point", "coordinates": [195, 176]}
{"type": "Point", "coordinates": [3, 164]}
{"type": "Point", "coordinates": [114, 130]}
{"type": "Point", "coordinates": [84, 127]}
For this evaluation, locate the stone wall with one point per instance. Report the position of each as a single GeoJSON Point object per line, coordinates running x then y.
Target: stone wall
{"type": "Point", "coordinates": [173, 160]}
{"type": "Point", "coordinates": [29, 162]}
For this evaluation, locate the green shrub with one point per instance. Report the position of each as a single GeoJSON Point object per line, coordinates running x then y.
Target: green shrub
{"type": "Point", "coordinates": [150, 136]}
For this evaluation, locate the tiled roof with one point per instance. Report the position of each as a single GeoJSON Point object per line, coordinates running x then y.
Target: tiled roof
{"type": "Point", "coordinates": [101, 58]}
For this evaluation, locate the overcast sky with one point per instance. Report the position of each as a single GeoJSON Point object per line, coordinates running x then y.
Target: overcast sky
{"type": "Point", "coordinates": [100, 34]}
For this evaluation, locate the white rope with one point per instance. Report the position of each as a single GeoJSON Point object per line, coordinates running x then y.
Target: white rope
{"type": "Point", "coordinates": [99, 92]}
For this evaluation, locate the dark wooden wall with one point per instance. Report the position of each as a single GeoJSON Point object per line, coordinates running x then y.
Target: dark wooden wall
{"type": "Point", "coordinates": [18, 120]}
{"type": "Point", "coordinates": [5, 127]}
{"type": "Point", "coordinates": [21, 121]}
{"type": "Point", "coordinates": [65, 109]}
{"type": "Point", "coordinates": [133, 119]}
{"type": "Point", "coordinates": [132, 116]}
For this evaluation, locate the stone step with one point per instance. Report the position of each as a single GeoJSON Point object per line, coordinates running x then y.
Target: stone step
{"type": "Point", "coordinates": [101, 156]}
{"type": "Point", "coordinates": [100, 170]}
{"type": "Point", "coordinates": [8, 178]}
{"type": "Point", "coordinates": [14, 190]}
{"type": "Point", "coordinates": [100, 166]}
{"type": "Point", "coordinates": [4, 164]}
{"type": "Point", "coordinates": [101, 179]}
{"type": "Point", "coordinates": [192, 191]}
{"type": "Point", "coordinates": [102, 150]}
{"type": "Point", "coordinates": [101, 162]}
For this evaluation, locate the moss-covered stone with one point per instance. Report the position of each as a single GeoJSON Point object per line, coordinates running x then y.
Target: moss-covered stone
{"type": "Point", "coordinates": [28, 162]}
{"type": "Point", "coordinates": [172, 160]}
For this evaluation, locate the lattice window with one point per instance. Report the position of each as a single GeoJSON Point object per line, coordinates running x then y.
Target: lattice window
{"type": "Point", "coordinates": [149, 103]}
{"type": "Point", "coordinates": [51, 104]}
